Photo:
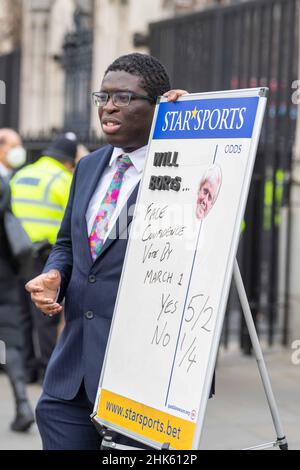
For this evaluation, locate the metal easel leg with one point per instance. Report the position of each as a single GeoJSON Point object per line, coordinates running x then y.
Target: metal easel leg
{"type": "Point", "coordinates": [281, 441]}
{"type": "Point", "coordinates": [107, 438]}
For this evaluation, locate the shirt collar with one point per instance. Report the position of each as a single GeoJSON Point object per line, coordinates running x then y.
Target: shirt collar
{"type": "Point", "coordinates": [138, 157]}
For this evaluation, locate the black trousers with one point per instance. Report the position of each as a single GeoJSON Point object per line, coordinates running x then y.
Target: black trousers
{"type": "Point", "coordinates": [66, 424]}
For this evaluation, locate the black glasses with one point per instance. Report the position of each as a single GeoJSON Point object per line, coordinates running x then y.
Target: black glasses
{"type": "Point", "coordinates": [119, 98]}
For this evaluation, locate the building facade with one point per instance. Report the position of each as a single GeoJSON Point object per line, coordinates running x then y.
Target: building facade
{"type": "Point", "coordinates": [66, 46]}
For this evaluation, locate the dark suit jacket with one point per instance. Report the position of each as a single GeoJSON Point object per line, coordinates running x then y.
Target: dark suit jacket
{"type": "Point", "coordinates": [90, 288]}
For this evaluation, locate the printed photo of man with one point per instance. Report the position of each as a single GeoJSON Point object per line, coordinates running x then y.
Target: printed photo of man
{"type": "Point", "coordinates": [208, 191]}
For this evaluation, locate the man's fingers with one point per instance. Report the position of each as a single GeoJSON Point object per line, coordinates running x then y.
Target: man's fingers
{"type": "Point", "coordinates": [43, 290]}
{"type": "Point", "coordinates": [52, 273]}
{"type": "Point", "coordinates": [52, 309]}
{"type": "Point", "coordinates": [37, 299]}
{"type": "Point", "coordinates": [173, 95]}
{"type": "Point", "coordinates": [43, 282]}
{"type": "Point", "coordinates": [55, 310]}
{"type": "Point", "coordinates": [33, 288]}
{"type": "Point", "coordinates": [170, 95]}
{"type": "Point", "coordinates": [52, 279]}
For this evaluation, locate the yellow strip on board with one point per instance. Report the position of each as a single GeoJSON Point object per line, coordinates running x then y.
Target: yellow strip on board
{"type": "Point", "coordinates": [145, 421]}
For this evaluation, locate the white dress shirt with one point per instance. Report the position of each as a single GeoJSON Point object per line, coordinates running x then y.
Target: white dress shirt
{"type": "Point", "coordinates": [131, 179]}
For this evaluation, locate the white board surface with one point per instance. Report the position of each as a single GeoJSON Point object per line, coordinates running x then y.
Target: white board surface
{"type": "Point", "coordinates": [176, 277]}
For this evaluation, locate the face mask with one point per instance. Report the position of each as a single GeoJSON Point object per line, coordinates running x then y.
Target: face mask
{"type": "Point", "coordinates": [16, 157]}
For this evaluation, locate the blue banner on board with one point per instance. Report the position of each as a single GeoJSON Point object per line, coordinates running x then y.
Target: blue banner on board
{"type": "Point", "coordinates": [218, 118]}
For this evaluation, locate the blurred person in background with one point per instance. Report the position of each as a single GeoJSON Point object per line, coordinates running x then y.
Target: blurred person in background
{"type": "Point", "coordinates": [40, 193]}
{"type": "Point", "coordinates": [11, 155]}
{"type": "Point", "coordinates": [82, 152]}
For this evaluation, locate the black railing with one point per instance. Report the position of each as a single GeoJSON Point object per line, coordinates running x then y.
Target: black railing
{"type": "Point", "coordinates": [10, 88]}
{"type": "Point", "coordinates": [36, 144]}
{"type": "Point", "coordinates": [77, 64]}
{"type": "Point", "coordinates": [250, 44]}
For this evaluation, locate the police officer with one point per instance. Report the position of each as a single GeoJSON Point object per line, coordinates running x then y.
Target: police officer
{"type": "Point", "coordinates": [40, 193]}
{"type": "Point", "coordinates": [12, 154]}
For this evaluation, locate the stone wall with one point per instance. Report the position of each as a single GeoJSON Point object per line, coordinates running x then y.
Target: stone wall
{"type": "Point", "coordinates": [10, 25]}
{"type": "Point", "coordinates": [45, 24]}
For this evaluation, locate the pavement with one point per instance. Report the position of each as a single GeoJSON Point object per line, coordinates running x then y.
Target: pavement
{"type": "Point", "coordinates": [237, 418]}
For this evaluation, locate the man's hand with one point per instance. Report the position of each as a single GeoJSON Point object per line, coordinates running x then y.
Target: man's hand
{"type": "Point", "coordinates": [43, 290]}
{"type": "Point", "coordinates": [173, 95]}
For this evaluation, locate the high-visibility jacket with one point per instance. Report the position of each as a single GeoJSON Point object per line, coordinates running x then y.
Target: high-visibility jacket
{"type": "Point", "coordinates": [273, 197]}
{"type": "Point", "coordinates": [40, 194]}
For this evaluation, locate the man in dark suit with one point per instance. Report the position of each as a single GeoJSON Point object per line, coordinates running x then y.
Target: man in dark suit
{"type": "Point", "coordinates": [86, 262]}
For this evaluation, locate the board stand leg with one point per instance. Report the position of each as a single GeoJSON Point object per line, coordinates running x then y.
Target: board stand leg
{"type": "Point", "coordinates": [107, 438]}
{"type": "Point", "coordinates": [281, 441]}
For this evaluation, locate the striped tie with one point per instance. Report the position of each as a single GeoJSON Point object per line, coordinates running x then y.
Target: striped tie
{"type": "Point", "coordinates": [107, 208]}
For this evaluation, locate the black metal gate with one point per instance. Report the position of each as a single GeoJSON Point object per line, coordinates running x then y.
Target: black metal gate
{"type": "Point", "coordinates": [10, 89]}
{"type": "Point", "coordinates": [247, 45]}
{"type": "Point", "coordinates": [77, 62]}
